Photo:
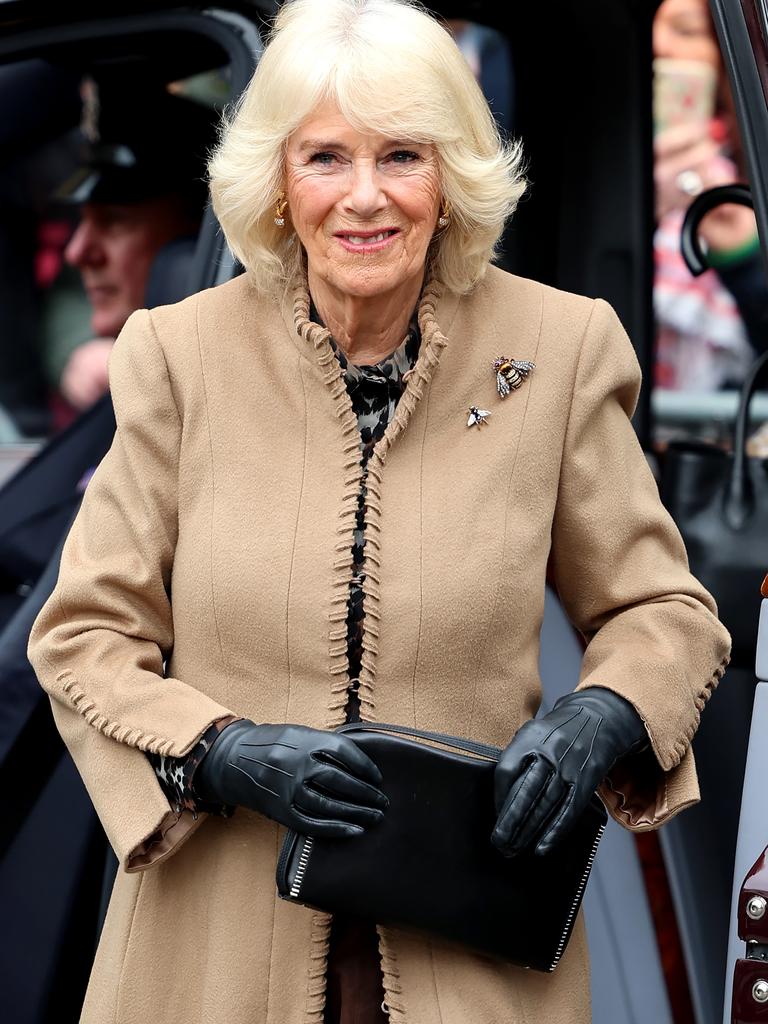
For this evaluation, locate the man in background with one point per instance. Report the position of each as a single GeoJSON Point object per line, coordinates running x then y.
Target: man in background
{"type": "Point", "coordinates": [141, 185]}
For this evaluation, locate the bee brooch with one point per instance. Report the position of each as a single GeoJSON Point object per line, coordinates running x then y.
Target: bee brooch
{"type": "Point", "coordinates": [510, 374]}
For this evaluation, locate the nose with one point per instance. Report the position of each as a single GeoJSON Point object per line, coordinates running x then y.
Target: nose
{"type": "Point", "coordinates": [365, 196]}
{"type": "Point", "coordinates": [83, 249]}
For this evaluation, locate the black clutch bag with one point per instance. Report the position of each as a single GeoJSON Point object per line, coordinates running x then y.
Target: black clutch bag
{"type": "Point", "coordinates": [430, 864]}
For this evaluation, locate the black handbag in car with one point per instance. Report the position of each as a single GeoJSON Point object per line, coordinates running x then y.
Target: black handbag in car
{"type": "Point", "coordinates": [720, 504]}
{"type": "Point", "coordinates": [430, 864]}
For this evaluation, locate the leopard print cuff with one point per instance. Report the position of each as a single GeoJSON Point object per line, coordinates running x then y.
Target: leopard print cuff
{"type": "Point", "coordinates": [175, 774]}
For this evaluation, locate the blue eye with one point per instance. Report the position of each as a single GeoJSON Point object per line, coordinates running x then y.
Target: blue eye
{"type": "Point", "coordinates": [322, 158]}
{"type": "Point", "coordinates": [403, 156]}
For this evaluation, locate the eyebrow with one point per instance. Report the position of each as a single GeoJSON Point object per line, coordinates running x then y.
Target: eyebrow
{"type": "Point", "coordinates": [321, 144]}
{"type": "Point", "coordinates": [336, 144]}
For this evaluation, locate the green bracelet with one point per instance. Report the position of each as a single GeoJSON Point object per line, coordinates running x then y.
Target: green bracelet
{"type": "Point", "coordinates": [719, 258]}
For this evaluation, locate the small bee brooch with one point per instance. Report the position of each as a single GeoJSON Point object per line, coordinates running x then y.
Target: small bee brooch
{"type": "Point", "coordinates": [477, 417]}
{"type": "Point", "coordinates": [510, 374]}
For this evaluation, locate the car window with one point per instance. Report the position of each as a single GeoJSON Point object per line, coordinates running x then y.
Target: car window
{"type": "Point", "coordinates": [102, 198]}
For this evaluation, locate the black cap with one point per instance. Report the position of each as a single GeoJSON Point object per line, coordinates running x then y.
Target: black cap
{"type": "Point", "coordinates": [139, 145]}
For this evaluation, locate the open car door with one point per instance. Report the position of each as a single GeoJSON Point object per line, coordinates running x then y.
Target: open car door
{"type": "Point", "coordinates": [742, 27]}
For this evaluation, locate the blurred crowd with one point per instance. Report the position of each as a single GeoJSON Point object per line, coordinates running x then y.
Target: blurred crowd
{"type": "Point", "coordinates": [710, 328]}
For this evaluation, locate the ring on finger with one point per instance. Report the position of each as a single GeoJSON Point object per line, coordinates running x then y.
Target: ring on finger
{"type": "Point", "coordinates": [690, 182]}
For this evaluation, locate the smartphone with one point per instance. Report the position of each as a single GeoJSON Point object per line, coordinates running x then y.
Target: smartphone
{"type": "Point", "coordinates": [683, 92]}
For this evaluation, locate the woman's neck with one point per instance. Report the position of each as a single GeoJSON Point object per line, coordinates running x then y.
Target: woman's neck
{"type": "Point", "coordinates": [365, 329]}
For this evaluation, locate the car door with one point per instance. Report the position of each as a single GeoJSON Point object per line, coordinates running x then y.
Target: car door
{"type": "Point", "coordinates": [742, 27]}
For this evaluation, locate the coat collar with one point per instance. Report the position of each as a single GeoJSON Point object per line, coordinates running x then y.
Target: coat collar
{"type": "Point", "coordinates": [313, 342]}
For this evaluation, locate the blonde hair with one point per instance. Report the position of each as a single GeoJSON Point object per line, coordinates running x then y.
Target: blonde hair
{"type": "Point", "coordinates": [392, 69]}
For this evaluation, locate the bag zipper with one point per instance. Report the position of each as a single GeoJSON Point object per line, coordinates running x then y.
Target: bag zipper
{"type": "Point", "coordinates": [577, 899]}
{"type": "Point", "coordinates": [458, 742]}
{"type": "Point", "coordinates": [283, 864]}
{"type": "Point", "coordinates": [298, 880]}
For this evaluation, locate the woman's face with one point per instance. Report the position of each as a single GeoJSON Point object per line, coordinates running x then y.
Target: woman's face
{"type": "Point", "coordinates": [363, 205]}
{"type": "Point", "coordinates": [682, 30]}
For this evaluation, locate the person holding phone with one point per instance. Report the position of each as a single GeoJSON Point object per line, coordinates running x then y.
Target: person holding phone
{"type": "Point", "coordinates": [709, 327]}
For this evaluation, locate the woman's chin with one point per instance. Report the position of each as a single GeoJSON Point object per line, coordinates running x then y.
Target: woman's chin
{"type": "Point", "coordinates": [368, 282]}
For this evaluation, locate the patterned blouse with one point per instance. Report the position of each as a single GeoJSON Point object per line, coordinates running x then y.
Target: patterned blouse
{"type": "Point", "coordinates": [374, 392]}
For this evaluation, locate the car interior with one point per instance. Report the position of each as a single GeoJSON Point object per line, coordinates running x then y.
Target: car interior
{"type": "Point", "coordinates": [574, 81]}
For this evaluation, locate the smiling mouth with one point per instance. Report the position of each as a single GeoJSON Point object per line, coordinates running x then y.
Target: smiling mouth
{"type": "Point", "coordinates": [362, 239]}
{"type": "Point", "coordinates": [366, 239]}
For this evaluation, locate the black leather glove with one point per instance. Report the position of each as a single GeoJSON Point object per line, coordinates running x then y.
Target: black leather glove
{"type": "Point", "coordinates": [546, 776]}
{"type": "Point", "coordinates": [316, 782]}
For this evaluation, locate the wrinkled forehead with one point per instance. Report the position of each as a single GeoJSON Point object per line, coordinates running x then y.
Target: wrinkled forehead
{"type": "Point", "coordinates": [327, 125]}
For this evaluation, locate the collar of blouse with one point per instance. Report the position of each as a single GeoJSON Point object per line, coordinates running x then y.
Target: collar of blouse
{"type": "Point", "coordinates": [387, 374]}
{"type": "Point", "coordinates": [313, 341]}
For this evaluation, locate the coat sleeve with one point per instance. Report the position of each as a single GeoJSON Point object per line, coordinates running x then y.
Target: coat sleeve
{"type": "Point", "coordinates": [621, 571]}
{"type": "Point", "coordinates": [101, 640]}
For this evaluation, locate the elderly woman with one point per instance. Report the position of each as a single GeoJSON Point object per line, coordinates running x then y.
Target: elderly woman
{"type": "Point", "coordinates": [334, 491]}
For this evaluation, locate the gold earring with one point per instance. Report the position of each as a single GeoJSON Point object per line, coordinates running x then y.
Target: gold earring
{"type": "Point", "coordinates": [280, 207]}
{"type": "Point", "coordinates": [445, 215]}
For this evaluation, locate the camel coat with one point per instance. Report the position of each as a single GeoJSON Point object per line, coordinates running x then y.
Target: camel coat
{"type": "Point", "coordinates": [208, 574]}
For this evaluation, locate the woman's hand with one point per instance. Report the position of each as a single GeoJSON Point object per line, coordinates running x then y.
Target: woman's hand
{"type": "Point", "coordinates": [688, 152]}
{"type": "Point", "coordinates": [681, 149]}
{"type": "Point", "coordinates": [546, 776]}
{"type": "Point", "coordinates": [316, 782]}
